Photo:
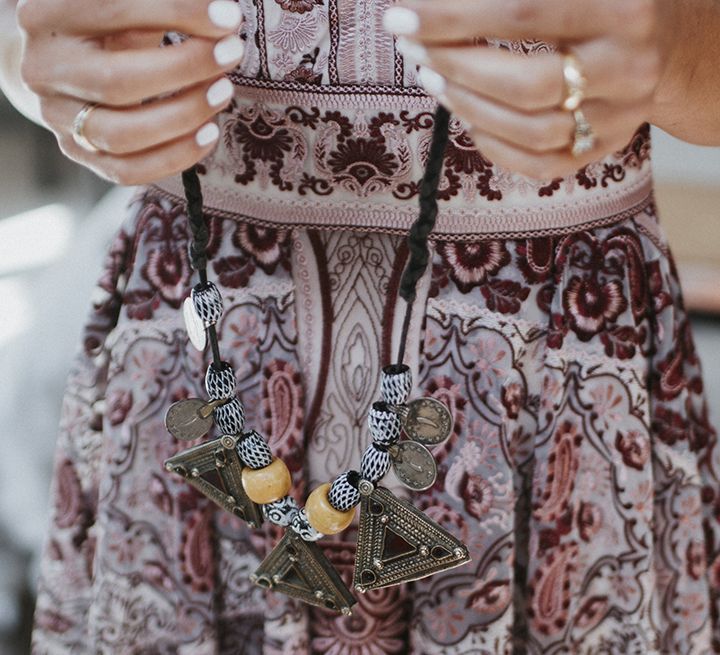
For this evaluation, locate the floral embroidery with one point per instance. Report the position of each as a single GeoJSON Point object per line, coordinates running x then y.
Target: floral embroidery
{"type": "Point", "coordinates": [470, 264]}
{"type": "Point", "coordinates": [591, 304]}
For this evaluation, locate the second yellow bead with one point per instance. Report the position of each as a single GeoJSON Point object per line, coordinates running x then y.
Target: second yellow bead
{"type": "Point", "coordinates": [322, 515]}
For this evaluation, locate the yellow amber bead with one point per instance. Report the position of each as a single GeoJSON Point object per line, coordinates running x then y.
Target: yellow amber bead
{"type": "Point", "coordinates": [322, 515]}
{"type": "Point", "coordinates": [267, 484]}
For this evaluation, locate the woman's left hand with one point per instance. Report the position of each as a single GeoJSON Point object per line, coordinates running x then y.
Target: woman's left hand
{"type": "Point", "coordinates": [512, 104]}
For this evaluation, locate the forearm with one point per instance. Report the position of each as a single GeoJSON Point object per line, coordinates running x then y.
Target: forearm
{"type": "Point", "coordinates": [687, 99]}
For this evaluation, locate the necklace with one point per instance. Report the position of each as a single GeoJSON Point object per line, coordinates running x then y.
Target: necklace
{"type": "Point", "coordinates": [396, 541]}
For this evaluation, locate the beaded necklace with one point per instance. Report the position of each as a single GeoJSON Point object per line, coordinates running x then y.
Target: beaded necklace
{"type": "Point", "coordinates": [396, 541]}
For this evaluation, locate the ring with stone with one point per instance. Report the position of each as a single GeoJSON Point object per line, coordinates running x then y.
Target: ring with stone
{"type": "Point", "coordinates": [78, 127]}
{"type": "Point", "coordinates": [575, 83]}
{"type": "Point", "coordinates": [583, 135]}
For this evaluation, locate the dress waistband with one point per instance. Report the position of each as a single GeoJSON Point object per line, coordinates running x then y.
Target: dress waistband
{"type": "Point", "coordinates": [352, 157]}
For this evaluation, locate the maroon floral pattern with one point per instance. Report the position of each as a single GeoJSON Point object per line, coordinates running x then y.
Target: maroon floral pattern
{"type": "Point", "coordinates": [299, 6]}
{"type": "Point", "coordinates": [277, 145]}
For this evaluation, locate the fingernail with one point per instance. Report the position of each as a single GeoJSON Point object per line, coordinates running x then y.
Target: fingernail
{"type": "Point", "coordinates": [228, 50]}
{"type": "Point", "coordinates": [220, 92]}
{"type": "Point", "coordinates": [224, 13]}
{"type": "Point", "coordinates": [432, 82]}
{"type": "Point", "coordinates": [207, 134]}
{"type": "Point", "coordinates": [400, 20]}
{"type": "Point", "coordinates": [411, 50]}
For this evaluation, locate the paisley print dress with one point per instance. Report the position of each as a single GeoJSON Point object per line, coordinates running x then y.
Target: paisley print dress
{"type": "Point", "coordinates": [582, 471]}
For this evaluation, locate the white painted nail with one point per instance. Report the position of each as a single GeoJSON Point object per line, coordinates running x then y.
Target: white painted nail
{"type": "Point", "coordinates": [432, 82]}
{"type": "Point", "coordinates": [220, 92]}
{"type": "Point", "coordinates": [224, 13]}
{"type": "Point", "coordinates": [400, 20]}
{"type": "Point", "coordinates": [207, 134]}
{"type": "Point", "coordinates": [412, 51]}
{"type": "Point", "coordinates": [228, 50]}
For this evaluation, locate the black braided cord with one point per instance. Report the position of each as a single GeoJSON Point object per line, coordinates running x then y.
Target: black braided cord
{"type": "Point", "coordinates": [422, 227]}
{"type": "Point", "coordinates": [197, 245]}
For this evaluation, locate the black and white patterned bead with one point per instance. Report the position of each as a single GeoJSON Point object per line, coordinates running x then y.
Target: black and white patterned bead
{"type": "Point", "coordinates": [375, 463]}
{"type": "Point", "coordinates": [301, 525]}
{"type": "Point", "coordinates": [254, 451]}
{"type": "Point", "coordinates": [343, 494]}
{"type": "Point", "coordinates": [220, 383]}
{"type": "Point", "coordinates": [230, 417]}
{"type": "Point", "coordinates": [281, 512]}
{"type": "Point", "coordinates": [384, 424]}
{"type": "Point", "coordinates": [396, 384]}
{"type": "Point", "coordinates": [207, 302]}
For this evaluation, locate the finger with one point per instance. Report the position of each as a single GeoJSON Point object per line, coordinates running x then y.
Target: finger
{"type": "Point", "coordinates": [543, 131]}
{"type": "Point", "coordinates": [613, 70]}
{"type": "Point", "coordinates": [92, 18]}
{"type": "Point", "coordinates": [126, 78]}
{"type": "Point", "coordinates": [149, 165]}
{"type": "Point", "coordinates": [544, 166]}
{"type": "Point", "coordinates": [534, 131]}
{"type": "Point", "coordinates": [124, 131]}
{"type": "Point", "coordinates": [459, 20]}
{"type": "Point", "coordinates": [133, 40]}
{"type": "Point", "coordinates": [530, 83]}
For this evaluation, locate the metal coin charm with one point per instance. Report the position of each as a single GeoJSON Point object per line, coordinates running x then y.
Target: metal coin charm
{"type": "Point", "coordinates": [427, 421]}
{"type": "Point", "coordinates": [414, 465]}
{"type": "Point", "coordinates": [194, 325]}
{"type": "Point", "coordinates": [190, 419]}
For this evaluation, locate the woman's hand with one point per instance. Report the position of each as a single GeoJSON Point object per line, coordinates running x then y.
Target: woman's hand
{"type": "Point", "coordinates": [512, 104]}
{"type": "Point", "coordinates": [156, 105]}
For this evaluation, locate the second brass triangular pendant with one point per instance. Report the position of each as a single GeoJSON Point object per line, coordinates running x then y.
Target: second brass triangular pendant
{"type": "Point", "coordinates": [300, 569]}
{"type": "Point", "coordinates": [214, 468]}
{"type": "Point", "coordinates": [398, 543]}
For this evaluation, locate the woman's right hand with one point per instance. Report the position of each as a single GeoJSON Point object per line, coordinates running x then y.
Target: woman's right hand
{"type": "Point", "coordinates": [156, 105]}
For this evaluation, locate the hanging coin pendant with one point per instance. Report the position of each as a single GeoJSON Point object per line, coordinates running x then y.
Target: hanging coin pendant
{"type": "Point", "coordinates": [188, 419]}
{"type": "Point", "coordinates": [194, 325]}
{"type": "Point", "coordinates": [414, 465]}
{"type": "Point", "coordinates": [427, 421]}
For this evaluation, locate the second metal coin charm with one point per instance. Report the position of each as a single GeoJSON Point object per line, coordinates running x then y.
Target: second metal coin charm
{"type": "Point", "coordinates": [414, 465]}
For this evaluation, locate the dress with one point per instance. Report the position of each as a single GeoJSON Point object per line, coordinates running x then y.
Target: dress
{"type": "Point", "coordinates": [582, 471]}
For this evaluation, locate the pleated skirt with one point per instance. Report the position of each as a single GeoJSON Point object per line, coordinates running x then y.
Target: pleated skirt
{"type": "Point", "coordinates": [582, 470]}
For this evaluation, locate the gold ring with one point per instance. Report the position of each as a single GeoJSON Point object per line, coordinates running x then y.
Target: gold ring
{"type": "Point", "coordinates": [583, 136]}
{"type": "Point", "coordinates": [78, 127]}
{"type": "Point", "coordinates": [575, 83]}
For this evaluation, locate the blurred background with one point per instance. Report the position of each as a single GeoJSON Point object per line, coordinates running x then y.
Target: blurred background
{"type": "Point", "coordinates": [56, 220]}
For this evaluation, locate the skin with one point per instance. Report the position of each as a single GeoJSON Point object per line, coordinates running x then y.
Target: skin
{"type": "Point", "coordinates": [644, 60]}
{"type": "Point", "coordinates": [153, 100]}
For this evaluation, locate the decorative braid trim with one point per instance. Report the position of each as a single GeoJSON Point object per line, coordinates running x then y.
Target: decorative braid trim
{"type": "Point", "coordinates": [483, 228]}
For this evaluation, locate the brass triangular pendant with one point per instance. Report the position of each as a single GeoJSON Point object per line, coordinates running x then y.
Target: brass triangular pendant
{"type": "Point", "coordinates": [398, 543]}
{"type": "Point", "coordinates": [300, 569]}
{"type": "Point", "coordinates": [217, 459]}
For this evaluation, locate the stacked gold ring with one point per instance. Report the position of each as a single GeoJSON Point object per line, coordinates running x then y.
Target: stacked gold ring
{"type": "Point", "coordinates": [583, 137]}
{"type": "Point", "coordinates": [78, 127]}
